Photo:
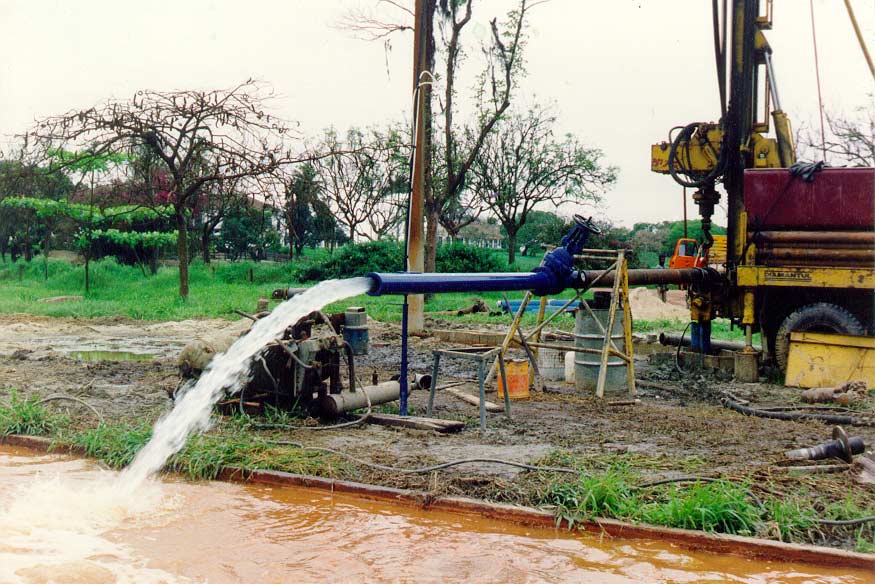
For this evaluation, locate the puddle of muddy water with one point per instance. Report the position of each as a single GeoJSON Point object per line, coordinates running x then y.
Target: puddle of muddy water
{"type": "Point", "coordinates": [62, 520]}
{"type": "Point", "coordinates": [93, 356]}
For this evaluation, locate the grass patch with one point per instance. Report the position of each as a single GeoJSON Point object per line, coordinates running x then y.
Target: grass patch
{"type": "Point", "coordinates": [790, 521]}
{"type": "Point", "coordinates": [862, 536]}
{"type": "Point", "coordinates": [28, 416]}
{"type": "Point", "coordinates": [114, 444]}
{"type": "Point", "coordinates": [719, 506]}
{"type": "Point", "coordinates": [204, 455]}
{"type": "Point", "coordinates": [609, 494]}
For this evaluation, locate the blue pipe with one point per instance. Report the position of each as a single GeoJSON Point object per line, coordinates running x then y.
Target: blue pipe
{"type": "Point", "coordinates": [552, 305]}
{"type": "Point", "coordinates": [429, 283]}
{"type": "Point", "coordinates": [555, 274]}
{"type": "Point", "coordinates": [402, 382]}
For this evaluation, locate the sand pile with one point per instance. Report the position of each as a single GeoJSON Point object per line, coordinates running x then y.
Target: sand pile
{"type": "Point", "coordinates": [646, 305]}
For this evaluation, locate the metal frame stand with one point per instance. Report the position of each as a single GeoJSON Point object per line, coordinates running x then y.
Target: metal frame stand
{"type": "Point", "coordinates": [620, 293]}
{"type": "Point", "coordinates": [481, 355]}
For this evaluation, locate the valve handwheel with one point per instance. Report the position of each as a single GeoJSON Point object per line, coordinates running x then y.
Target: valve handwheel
{"type": "Point", "coordinates": [587, 224]}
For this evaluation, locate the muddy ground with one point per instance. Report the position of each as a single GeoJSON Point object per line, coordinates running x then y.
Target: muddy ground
{"type": "Point", "coordinates": [678, 428]}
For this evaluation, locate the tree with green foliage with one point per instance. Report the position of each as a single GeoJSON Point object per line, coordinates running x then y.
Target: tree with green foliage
{"type": "Point", "coordinates": [20, 179]}
{"type": "Point", "coordinates": [88, 165]}
{"type": "Point", "coordinates": [247, 231]}
{"type": "Point", "coordinates": [94, 224]}
{"type": "Point", "coordinates": [198, 137]}
{"type": "Point", "coordinates": [542, 228]}
{"type": "Point", "coordinates": [694, 231]}
{"type": "Point", "coordinates": [296, 193]}
{"type": "Point", "coordinates": [523, 165]}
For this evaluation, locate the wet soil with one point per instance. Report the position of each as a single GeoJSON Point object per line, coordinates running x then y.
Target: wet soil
{"type": "Point", "coordinates": [678, 427]}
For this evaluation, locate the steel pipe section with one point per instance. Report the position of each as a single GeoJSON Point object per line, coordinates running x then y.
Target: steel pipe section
{"type": "Point", "coordinates": [645, 276]}
{"type": "Point", "coordinates": [674, 339]}
{"type": "Point", "coordinates": [840, 237]}
{"type": "Point", "coordinates": [335, 404]}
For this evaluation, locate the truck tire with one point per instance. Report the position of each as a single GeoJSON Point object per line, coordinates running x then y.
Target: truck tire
{"type": "Point", "coordinates": [817, 317]}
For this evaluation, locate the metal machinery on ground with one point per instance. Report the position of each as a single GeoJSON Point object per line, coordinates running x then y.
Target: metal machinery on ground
{"type": "Point", "coordinates": [302, 370]}
{"type": "Point", "coordinates": [800, 252]}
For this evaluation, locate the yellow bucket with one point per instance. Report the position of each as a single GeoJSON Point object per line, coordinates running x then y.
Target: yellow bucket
{"type": "Point", "coordinates": [517, 379]}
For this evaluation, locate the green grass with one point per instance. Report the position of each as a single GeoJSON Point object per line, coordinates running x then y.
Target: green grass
{"type": "Point", "coordinates": [609, 494]}
{"type": "Point", "coordinates": [217, 289]}
{"type": "Point", "coordinates": [720, 329]}
{"type": "Point", "coordinates": [114, 444]}
{"type": "Point", "coordinates": [28, 416]}
{"type": "Point", "coordinates": [204, 455]}
{"type": "Point", "coordinates": [719, 506]}
{"type": "Point", "coordinates": [791, 519]}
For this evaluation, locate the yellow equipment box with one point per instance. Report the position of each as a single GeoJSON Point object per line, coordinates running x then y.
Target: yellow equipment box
{"type": "Point", "coordinates": [825, 359]}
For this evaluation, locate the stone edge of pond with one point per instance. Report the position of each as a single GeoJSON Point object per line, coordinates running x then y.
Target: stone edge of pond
{"type": "Point", "coordinates": [749, 547]}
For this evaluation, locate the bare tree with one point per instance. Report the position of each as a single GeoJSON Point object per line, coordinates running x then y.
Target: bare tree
{"type": "Point", "coordinates": [364, 179]}
{"type": "Point", "coordinates": [853, 141]}
{"type": "Point", "coordinates": [445, 176]}
{"type": "Point", "coordinates": [850, 140]}
{"type": "Point", "coordinates": [463, 209]}
{"type": "Point", "coordinates": [198, 137]}
{"type": "Point", "coordinates": [503, 65]}
{"type": "Point", "coordinates": [523, 165]}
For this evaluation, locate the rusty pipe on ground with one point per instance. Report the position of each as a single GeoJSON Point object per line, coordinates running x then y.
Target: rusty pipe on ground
{"type": "Point", "coordinates": [674, 339]}
{"type": "Point", "coordinates": [335, 404]}
{"type": "Point", "coordinates": [841, 446]}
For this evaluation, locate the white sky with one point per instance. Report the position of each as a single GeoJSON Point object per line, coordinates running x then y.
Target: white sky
{"type": "Point", "coordinates": [620, 72]}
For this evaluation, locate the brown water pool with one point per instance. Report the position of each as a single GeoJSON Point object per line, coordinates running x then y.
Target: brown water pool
{"type": "Point", "coordinates": [63, 520]}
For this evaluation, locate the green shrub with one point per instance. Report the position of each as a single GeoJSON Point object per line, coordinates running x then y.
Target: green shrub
{"type": "Point", "coordinates": [356, 259]}
{"type": "Point", "coordinates": [458, 257]}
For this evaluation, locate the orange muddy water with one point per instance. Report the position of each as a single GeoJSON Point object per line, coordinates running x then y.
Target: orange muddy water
{"type": "Point", "coordinates": [63, 521]}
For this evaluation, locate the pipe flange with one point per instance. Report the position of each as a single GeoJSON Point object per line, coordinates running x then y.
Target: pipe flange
{"type": "Point", "coordinates": [839, 434]}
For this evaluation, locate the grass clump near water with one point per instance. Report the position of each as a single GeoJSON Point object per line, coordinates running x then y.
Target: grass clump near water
{"type": "Point", "coordinates": [204, 455]}
{"type": "Point", "coordinates": [113, 444]}
{"type": "Point", "coordinates": [718, 506]}
{"type": "Point", "coordinates": [28, 416]}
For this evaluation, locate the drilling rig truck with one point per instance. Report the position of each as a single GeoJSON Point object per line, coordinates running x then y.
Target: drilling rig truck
{"type": "Point", "coordinates": [800, 242]}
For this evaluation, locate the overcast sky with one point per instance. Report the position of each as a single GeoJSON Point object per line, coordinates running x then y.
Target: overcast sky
{"type": "Point", "coordinates": [620, 72]}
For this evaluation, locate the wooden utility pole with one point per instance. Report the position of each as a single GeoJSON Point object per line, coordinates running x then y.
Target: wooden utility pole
{"type": "Point", "coordinates": [415, 242]}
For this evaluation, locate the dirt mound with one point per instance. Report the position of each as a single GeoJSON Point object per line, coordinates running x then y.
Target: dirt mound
{"type": "Point", "coordinates": [646, 305]}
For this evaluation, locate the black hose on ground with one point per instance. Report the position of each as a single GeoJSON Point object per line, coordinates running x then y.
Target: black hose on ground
{"type": "Point", "coordinates": [796, 416]}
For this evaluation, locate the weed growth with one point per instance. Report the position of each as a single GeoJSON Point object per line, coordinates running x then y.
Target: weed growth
{"type": "Point", "coordinates": [28, 416]}
{"type": "Point", "coordinates": [114, 444]}
{"type": "Point", "coordinates": [719, 506]}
